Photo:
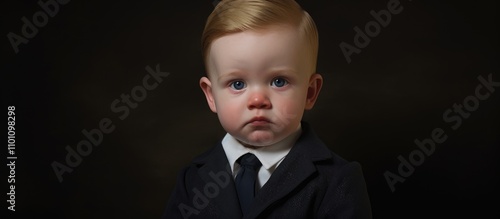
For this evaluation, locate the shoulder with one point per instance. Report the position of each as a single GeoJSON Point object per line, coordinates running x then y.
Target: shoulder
{"type": "Point", "coordinates": [343, 183]}
{"type": "Point", "coordinates": [213, 159]}
{"type": "Point", "coordinates": [312, 148]}
{"type": "Point", "coordinates": [340, 174]}
{"type": "Point", "coordinates": [208, 156]}
{"type": "Point", "coordinates": [346, 192]}
{"type": "Point", "coordinates": [341, 166]}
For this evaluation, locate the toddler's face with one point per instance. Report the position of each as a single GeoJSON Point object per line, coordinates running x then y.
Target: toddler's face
{"type": "Point", "coordinates": [260, 84]}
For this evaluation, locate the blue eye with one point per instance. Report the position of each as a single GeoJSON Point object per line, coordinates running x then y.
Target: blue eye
{"type": "Point", "coordinates": [238, 85]}
{"type": "Point", "coordinates": [279, 82]}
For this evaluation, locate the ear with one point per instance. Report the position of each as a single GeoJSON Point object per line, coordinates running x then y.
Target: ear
{"type": "Point", "coordinates": [315, 83]}
{"type": "Point", "coordinates": [206, 87]}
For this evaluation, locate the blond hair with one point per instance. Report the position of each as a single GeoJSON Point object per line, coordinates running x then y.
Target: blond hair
{"type": "Point", "coordinates": [232, 16]}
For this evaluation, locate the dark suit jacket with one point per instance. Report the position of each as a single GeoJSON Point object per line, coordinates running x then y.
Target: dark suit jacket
{"type": "Point", "coordinates": [311, 182]}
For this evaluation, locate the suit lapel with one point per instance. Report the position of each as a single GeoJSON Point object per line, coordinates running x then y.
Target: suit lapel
{"type": "Point", "coordinates": [296, 168]}
{"type": "Point", "coordinates": [283, 181]}
{"type": "Point", "coordinates": [226, 200]}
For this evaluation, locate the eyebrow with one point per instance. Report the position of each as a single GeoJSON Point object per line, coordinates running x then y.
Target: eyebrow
{"type": "Point", "coordinates": [282, 69]}
{"type": "Point", "coordinates": [237, 73]}
{"type": "Point", "coordinates": [227, 75]}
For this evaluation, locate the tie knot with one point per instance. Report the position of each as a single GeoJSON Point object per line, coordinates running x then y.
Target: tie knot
{"type": "Point", "coordinates": [250, 160]}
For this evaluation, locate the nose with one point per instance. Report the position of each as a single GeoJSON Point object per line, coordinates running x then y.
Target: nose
{"type": "Point", "coordinates": [259, 100]}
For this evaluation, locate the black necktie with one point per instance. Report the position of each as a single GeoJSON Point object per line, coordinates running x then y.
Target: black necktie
{"type": "Point", "coordinates": [245, 180]}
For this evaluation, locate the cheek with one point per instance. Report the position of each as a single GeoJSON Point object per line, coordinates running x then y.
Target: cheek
{"type": "Point", "coordinates": [229, 109]}
{"type": "Point", "coordinates": [290, 109]}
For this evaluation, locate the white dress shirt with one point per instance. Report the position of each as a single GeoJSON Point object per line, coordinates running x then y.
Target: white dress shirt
{"type": "Point", "coordinates": [270, 156]}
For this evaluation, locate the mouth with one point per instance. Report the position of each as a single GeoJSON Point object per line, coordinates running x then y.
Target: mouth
{"type": "Point", "coordinates": [259, 120]}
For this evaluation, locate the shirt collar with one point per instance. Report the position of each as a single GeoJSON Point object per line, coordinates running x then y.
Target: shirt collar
{"type": "Point", "coordinates": [269, 156]}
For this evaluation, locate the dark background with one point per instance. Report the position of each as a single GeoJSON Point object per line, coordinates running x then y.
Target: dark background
{"type": "Point", "coordinates": [371, 110]}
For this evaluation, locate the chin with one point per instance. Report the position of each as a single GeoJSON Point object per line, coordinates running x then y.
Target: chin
{"type": "Point", "coordinates": [261, 139]}
{"type": "Point", "coordinates": [260, 144]}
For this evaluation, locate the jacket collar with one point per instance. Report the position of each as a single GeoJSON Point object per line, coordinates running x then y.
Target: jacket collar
{"type": "Point", "coordinates": [226, 199]}
{"type": "Point", "coordinates": [295, 168]}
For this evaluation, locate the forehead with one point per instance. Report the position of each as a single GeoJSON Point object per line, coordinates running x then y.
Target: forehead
{"type": "Point", "coordinates": [257, 50]}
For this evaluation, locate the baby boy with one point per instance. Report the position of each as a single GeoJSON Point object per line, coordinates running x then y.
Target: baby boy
{"type": "Point", "coordinates": [260, 57]}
